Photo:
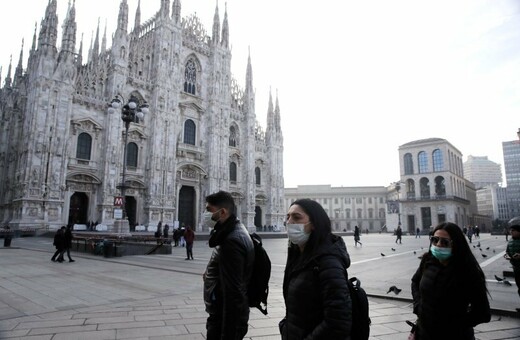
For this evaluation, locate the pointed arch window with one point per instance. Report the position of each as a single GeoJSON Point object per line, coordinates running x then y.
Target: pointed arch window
{"type": "Point", "coordinates": [233, 172]}
{"type": "Point", "coordinates": [423, 162]}
{"type": "Point", "coordinates": [408, 164]}
{"type": "Point", "coordinates": [131, 155]}
{"type": "Point", "coordinates": [257, 176]}
{"type": "Point", "coordinates": [438, 162]}
{"type": "Point", "coordinates": [189, 132]}
{"type": "Point", "coordinates": [232, 136]}
{"type": "Point", "coordinates": [190, 77]}
{"type": "Point", "coordinates": [84, 147]}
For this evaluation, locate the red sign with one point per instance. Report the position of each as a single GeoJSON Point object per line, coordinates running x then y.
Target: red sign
{"type": "Point", "coordinates": [118, 201]}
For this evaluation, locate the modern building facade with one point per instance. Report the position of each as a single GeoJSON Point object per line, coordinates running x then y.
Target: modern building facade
{"type": "Point", "coordinates": [61, 151]}
{"type": "Point", "coordinates": [511, 151]}
{"type": "Point", "coordinates": [482, 172]}
{"type": "Point", "coordinates": [492, 201]}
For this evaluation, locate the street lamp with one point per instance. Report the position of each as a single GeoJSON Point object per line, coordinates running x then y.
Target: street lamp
{"type": "Point", "coordinates": [398, 189]}
{"type": "Point", "coordinates": [129, 112]}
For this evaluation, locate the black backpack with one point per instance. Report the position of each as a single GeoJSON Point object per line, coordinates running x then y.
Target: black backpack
{"type": "Point", "coordinates": [360, 310]}
{"type": "Point", "coordinates": [258, 288]}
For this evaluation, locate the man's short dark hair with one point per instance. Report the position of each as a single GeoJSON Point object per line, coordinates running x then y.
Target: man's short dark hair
{"type": "Point", "coordinates": [222, 199]}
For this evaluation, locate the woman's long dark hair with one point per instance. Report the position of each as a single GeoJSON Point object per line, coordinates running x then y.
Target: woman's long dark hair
{"type": "Point", "coordinates": [321, 222]}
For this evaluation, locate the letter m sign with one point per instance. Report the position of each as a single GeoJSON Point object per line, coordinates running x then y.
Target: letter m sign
{"type": "Point", "coordinates": [118, 201]}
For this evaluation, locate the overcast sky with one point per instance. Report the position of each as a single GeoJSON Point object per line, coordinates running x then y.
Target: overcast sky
{"type": "Point", "coordinates": [356, 79]}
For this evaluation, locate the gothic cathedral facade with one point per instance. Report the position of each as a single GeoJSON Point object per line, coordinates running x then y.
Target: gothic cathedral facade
{"type": "Point", "coordinates": [62, 148]}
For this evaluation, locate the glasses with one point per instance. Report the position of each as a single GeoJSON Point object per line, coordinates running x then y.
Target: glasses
{"type": "Point", "coordinates": [441, 241]}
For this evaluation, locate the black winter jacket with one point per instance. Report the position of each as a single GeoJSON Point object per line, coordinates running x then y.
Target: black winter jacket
{"type": "Point", "coordinates": [317, 299]}
{"type": "Point", "coordinates": [448, 300]}
{"type": "Point", "coordinates": [227, 275]}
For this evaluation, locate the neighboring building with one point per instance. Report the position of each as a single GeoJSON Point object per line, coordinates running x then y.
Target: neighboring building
{"type": "Point", "coordinates": [492, 202]}
{"type": "Point", "coordinates": [346, 206]}
{"type": "Point", "coordinates": [61, 152]}
{"type": "Point", "coordinates": [511, 151]}
{"type": "Point", "coordinates": [482, 172]}
{"type": "Point", "coordinates": [433, 188]}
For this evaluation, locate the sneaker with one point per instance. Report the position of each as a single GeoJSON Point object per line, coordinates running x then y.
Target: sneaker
{"type": "Point", "coordinates": [187, 258]}
{"type": "Point", "coordinates": [53, 260]}
{"type": "Point", "coordinates": [72, 260]}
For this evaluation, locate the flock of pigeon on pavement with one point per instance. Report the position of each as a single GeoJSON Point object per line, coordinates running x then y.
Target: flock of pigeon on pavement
{"type": "Point", "coordinates": [499, 279]}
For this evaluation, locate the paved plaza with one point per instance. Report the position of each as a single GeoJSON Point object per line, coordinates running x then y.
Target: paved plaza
{"type": "Point", "coordinates": [160, 296]}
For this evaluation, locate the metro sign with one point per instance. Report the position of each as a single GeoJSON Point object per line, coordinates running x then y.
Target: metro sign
{"type": "Point", "coordinates": [118, 201]}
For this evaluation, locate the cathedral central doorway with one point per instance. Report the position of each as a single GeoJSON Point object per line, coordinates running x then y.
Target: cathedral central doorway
{"type": "Point", "coordinates": [131, 211]}
{"type": "Point", "coordinates": [187, 206]}
{"type": "Point", "coordinates": [258, 218]}
{"type": "Point", "coordinates": [78, 210]}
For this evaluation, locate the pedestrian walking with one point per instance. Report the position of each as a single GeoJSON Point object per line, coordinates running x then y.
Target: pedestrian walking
{"type": "Point", "coordinates": [449, 288]}
{"type": "Point", "coordinates": [513, 251]}
{"type": "Point", "coordinates": [356, 237]}
{"type": "Point", "coordinates": [228, 271]}
{"type": "Point", "coordinates": [470, 233]}
{"type": "Point", "coordinates": [417, 233]}
{"type": "Point", "coordinates": [59, 243]}
{"type": "Point", "coordinates": [315, 291]}
{"type": "Point", "coordinates": [166, 229]}
{"type": "Point", "coordinates": [176, 237]}
{"type": "Point", "coordinates": [68, 241]}
{"type": "Point", "coordinates": [189, 236]}
{"type": "Point", "coordinates": [398, 234]}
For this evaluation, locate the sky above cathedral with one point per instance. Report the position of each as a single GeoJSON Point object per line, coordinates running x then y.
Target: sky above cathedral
{"type": "Point", "coordinates": [355, 79]}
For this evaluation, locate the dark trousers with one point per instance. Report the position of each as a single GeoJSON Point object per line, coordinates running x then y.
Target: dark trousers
{"type": "Point", "coordinates": [517, 278]}
{"type": "Point", "coordinates": [214, 328]}
{"type": "Point", "coordinates": [59, 254]}
{"type": "Point", "coordinates": [189, 251]}
{"type": "Point", "coordinates": [68, 253]}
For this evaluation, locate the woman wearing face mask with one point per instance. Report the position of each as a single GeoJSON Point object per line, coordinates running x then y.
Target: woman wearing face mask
{"type": "Point", "coordinates": [317, 300]}
{"type": "Point", "coordinates": [449, 288]}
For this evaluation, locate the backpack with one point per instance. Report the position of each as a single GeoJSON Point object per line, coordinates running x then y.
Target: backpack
{"type": "Point", "coordinates": [258, 288]}
{"type": "Point", "coordinates": [360, 310]}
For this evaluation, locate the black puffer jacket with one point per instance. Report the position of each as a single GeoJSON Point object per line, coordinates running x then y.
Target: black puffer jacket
{"type": "Point", "coordinates": [449, 300]}
{"type": "Point", "coordinates": [316, 296]}
{"type": "Point", "coordinates": [227, 275]}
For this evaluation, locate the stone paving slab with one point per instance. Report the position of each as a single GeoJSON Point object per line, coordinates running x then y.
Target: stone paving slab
{"type": "Point", "coordinates": [42, 302]}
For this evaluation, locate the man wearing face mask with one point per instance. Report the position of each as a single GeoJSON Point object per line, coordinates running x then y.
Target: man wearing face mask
{"type": "Point", "coordinates": [228, 271]}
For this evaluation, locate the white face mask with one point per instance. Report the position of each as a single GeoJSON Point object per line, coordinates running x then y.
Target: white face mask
{"type": "Point", "coordinates": [207, 219]}
{"type": "Point", "coordinates": [296, 233]}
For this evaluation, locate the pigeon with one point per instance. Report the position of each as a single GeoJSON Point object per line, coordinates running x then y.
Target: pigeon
{"type": "Point", "coordinates": [487, 248]}
{"type": "Point", "coordinates": [493, 250]}
{"type": "Point", "coordinates": [419, 257]}
{"type": "Point", "coordinates": [394, 289]}
{"type": "Point", "coordinates": [393, 249]}
{"type": "Point", "coordinates": [474, 247]}
{"type": "Point", "coordinates": [484, 255]}
{"type": "Point", "coordinates": [507, 283]}
{"type": "Point", "coordinates": [414, 252]}
{"type": "Point", "coordinates": [383, 254]}
{"type": "Point", "coordinates": [498, 278]}
{"type": "Point", "coordinates": [478, 244]}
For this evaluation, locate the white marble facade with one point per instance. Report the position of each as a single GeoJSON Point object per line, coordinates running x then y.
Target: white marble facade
{"type": "Point", "coordinates": [61, 151]}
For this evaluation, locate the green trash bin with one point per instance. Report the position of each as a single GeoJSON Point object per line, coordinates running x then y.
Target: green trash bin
{"type": "Point", "coordinates": [108, 248]}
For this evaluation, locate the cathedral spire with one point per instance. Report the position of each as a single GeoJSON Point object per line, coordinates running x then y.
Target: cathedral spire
{"type": "Point", "coordinates": [80, 52]}
{"type": "Point", "coordinates": [176, 11]}
{"type": "Point", "coordinates": [277, 123]}
{"type": "Point", "coordinates": [137, 22]}
{"type": "Point", "coordinates": [122, 19]}
{"type": "Point", "coordinates": [95, 48]}
{"type": "Point", "coordinates": [104, 41]}
{"type": "Point", "coordinates": [49, 29]}
{"type": "Point", "coordinates": [216, 26]}
{"type": "Point", "coordinates": [19, 68]}
{"type": "Point", "coordinates": [8, 77]}
{"type": "Point", "coordinates": [69, 27]}
{"type": "Point", "coordinates": [165, 8]}
{"type": "Point", "coordinates": [33, 47]}
{"type": "Point", "coordinates": [270, 114]}
{"type": "Point", "coordinates": [225, 30]}
{"type": "Point", "coordinates": [249, 73]}
{"type": "Point", "coordinates": [90, 48]}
